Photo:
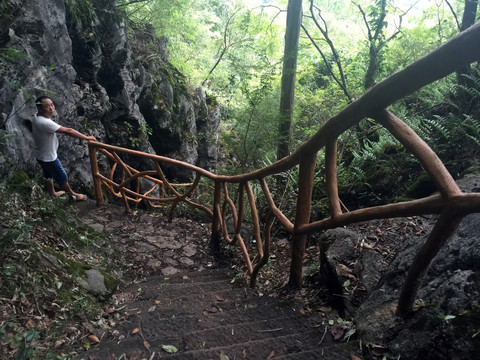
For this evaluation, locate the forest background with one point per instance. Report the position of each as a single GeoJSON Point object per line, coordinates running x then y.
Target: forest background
{"type": "Point", "coordinates": [235, 49]}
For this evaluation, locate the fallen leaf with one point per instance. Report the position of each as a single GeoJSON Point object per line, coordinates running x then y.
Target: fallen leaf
{"type": "Point", "coordinates": [136, 330]}
{"type": "Point", "coordinates": [378, 350]}
{"type": "Point", "coordinates": [220, 298]}
{"type": "Point", "coordinates": [337, 331]}
{"type": "Point", "coordinates": [157, 302]}
{"type": "Point", "coordinates": [170, 349]}
{"type": "Point", "coordinates": [93, 338]}
{"type": "Point", "coordinates": [147, 345]}
{"type": "Point", "coordinates": [223, 356]}
{"type": "Point", "coordinates": [272, 355]}
{"type": "Point", "coordinates": [354, 357]}
{"type": "Point", "coordinates": [29, 324]}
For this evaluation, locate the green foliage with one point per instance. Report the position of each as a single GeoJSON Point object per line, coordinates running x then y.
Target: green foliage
{"type": "Point", "coordinates": [12, 333]}
{"type": "Point", "coordinates": [202, 33]}
{"type": "Point", "coordinates": [250, 137]}
{"type": "Point", "coordinates": [10, 56]}
{"type": "Point", "coordinates": [445, 127]}
{"type": "Point", "coordinates": [420, 40]}
{"type": "Point", "coordinates": [44, 248]}
{"type": "Point", "coordinates": [365, 174]}
{"type": "Point", "coordinates": [447, 133]}
{"type": "Point", "coordinates": [246, 79]}
{"type": "Point", "coordinates": [82, 11]}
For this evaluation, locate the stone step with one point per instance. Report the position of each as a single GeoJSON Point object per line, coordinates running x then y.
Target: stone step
{"type": "Point", "coordinates": [270, 347]}
{"type": "Point", "coordinates": [204, 316]}
{"type": "Point", "coordinates": [291, 346]}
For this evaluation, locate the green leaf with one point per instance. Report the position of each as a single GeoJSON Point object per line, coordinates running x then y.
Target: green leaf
{"type": "Point", "coordinates": [170, 349]}
{"type": "Point", "coordinates": [348, 334]}
{"type": "Point", "coordinates": [31, 335]}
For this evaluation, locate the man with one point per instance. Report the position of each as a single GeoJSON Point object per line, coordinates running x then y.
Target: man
{"type": "Point", "coordinates": [45, 147]}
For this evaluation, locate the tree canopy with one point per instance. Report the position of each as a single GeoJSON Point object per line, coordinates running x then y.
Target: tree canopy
{"type": "Point", "coordinates": [235, 50]}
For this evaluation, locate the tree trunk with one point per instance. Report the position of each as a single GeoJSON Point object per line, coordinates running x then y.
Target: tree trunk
{"type": "Point", "coordinates": [469, 14]}
{"type": "Point", "coordinates": [292, 35]}
{"type": "Point", "coordinates": [463, 74]}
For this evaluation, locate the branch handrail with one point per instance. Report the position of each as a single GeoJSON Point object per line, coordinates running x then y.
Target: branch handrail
{"type": "Point", "coordinates": [450, 203]}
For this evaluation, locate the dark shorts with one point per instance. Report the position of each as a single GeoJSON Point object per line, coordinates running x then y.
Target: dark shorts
{"type": "Point", "coordinates": [54, 169]}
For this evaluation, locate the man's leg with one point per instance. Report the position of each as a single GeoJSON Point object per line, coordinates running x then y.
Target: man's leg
{"type": "Point", "coordinates": [55, 169]}
{"type": "Point", "coordinates": [49, 173]}
{"type": "Point", "coordinates": [51, 189]}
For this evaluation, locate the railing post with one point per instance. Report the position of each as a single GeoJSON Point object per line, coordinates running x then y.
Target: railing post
{"type": "Point", "coordinates": [304, 202]}
{"type": "Point", "coordinates": [216, 219]}
{"type": "Point", "coordinates": [95, 174]}
{"type": "Point", "coordinates": [445, 226]}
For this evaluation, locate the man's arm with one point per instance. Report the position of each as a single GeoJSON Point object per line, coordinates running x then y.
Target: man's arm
{"type": "Point", "coordinates": [74, 133]}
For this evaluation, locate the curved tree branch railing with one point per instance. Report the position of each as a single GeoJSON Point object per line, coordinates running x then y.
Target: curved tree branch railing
{"type": "Point", "coordinates": [451, 204]}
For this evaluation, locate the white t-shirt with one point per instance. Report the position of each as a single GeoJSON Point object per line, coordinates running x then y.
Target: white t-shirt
{"type": "Point", "coordinates": [45, 142]}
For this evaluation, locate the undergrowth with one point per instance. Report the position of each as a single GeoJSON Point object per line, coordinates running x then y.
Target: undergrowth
{"type": "Point", "coordinates": [44, 252]}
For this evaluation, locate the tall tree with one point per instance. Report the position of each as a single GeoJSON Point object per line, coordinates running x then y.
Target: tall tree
{"type": "Point", "coordinates": [322, 26]}
{"type": "Point", "coordinates": [292, 35]}
{"type": "Point", "coordinates": [469, 14]}
{"type": "Point", "coordinates": [375, 23]}
{"type": "Point", "coordinates": [464, 75]}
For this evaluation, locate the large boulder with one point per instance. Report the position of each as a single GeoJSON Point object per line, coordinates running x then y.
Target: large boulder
{"type": "Point", "coordinates": [445, 322]}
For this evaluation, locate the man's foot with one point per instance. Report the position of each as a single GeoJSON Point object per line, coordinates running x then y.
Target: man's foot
{"type": "Point", "coordinates": [57, 194]}
{"type": "Point", "coordinates": [79, 197]}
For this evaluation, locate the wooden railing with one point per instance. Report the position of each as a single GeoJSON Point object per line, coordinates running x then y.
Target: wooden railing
{"type": "Point", "coordinates": [451, 204]}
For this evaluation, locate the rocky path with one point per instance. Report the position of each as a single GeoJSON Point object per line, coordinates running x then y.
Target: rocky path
{"type": "Point", "coordinates": [182, 304]}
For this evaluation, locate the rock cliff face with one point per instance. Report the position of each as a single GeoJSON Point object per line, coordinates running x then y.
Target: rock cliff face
{"type": "Point", "coordinates": [120, 88]}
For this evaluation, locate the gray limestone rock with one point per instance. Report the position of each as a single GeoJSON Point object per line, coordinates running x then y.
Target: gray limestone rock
{"type": "Point", "coordinates": [101, 85]}
{"type": "Point", "coordinates": [94, 282]}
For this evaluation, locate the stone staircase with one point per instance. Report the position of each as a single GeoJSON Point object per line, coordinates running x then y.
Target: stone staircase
{"type": "Point", "coordinates": [202, 315]}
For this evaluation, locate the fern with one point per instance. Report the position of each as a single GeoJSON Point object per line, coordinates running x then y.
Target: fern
{"type": "Point", "coordinates": [439, 125]}
{"type": "Point", "coordinates": [472, 129]}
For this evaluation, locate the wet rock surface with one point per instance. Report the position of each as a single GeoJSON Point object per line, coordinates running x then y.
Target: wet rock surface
{"type": "Point", "coordinates": [445, 323]}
